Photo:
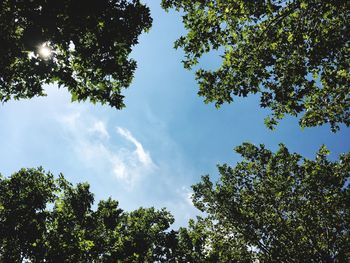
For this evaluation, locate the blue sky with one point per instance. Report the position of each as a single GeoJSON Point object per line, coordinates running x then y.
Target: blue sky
{"type": "Point", "coordinates": [151, 152]}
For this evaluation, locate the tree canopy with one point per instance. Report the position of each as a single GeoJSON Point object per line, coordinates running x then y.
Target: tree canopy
{"type": "Point", "coordinates": [270, 207]}
{"type": "Point", "coordinates": [276, 207]}
{"type": "Point", "coordinates": [43, 219]}
{"type": "Point", "coordinates": [82, 46]}
{"type": "Point", "coordinates": [294, 54]}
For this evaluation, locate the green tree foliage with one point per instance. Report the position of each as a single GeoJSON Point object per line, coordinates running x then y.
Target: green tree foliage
{"type": "Point", "coordinates": [276, 207]}
{"type": "Point", "coordinates": [83, 46]}
{"type": "Point", "coordinates": [43, 219]}
{"type": "Point", "coordinates": [200, 242]}
{"type": "Point", "coordinates": [268, 208]}
{"type": "Point", "coordinates": [295, 54]}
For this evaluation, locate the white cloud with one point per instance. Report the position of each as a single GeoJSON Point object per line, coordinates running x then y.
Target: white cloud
{"type": "Point", "coordinates": [142, 155]}
{"type": "Point", "coordinates": [99, 128]}
{"type": "Point", "coordinates": [122, 166]}
{"type": "Point", "coordinates": [127, 164]}
{"type": "Point", "coordinates": [187, 194]}
{"type": "Point", "coordinates": [70, 120]}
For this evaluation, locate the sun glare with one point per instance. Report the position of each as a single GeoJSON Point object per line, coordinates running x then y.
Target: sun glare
{"type": "Point", "coordinates": [45, 51]}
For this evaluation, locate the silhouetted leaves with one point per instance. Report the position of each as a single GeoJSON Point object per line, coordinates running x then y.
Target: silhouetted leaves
{"type": "Point", "coordinates": [295, 54]}
{"type": "Point", "coordinates": [276, 207]}
{"type": "Point", "coordinates": [90, 43]}
{"type": "Point", "coordinates": [43, 219]}
{"type": "Point", "coordinates": [270, 207]}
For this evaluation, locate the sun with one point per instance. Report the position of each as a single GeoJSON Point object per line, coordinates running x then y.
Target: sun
{"type": "Point", "coordinates": [45, 51]}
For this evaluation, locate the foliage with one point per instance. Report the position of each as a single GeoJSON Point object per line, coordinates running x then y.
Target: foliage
{"type": "Point", "coordinates": [295, 54]}
{"type": "Point", "coordinates": [279, 206]}
{"type": "Point", "coordinates": [201, 242]}
{"type": "Point", "coordinates": [268, 208]}
{"type": "Point", "coordinates": [90, 44]}
{"type": "Point", "coordinates": [43, 219]}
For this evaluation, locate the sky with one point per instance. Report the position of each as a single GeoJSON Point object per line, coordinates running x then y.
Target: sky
{"type": "Point", "coordinates": [151, 152]}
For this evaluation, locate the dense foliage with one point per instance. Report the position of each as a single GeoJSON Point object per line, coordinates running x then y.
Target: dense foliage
{"type": "Point", "coordinates": [270, 207]}
{"type": "Point", "coordinates": [83, 46]}
{"type": "Point", "coordinates": [276, 207]}
{"type": "Point", "coordinates": [295, 54]}
{"type": "Point", "coordinates": [43, 219]}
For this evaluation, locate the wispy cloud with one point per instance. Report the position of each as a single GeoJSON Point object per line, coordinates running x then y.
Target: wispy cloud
{"type": "Point", "coordinates": [187, 194]}
{"type": "Point", "coordinates": [121, 164]}
{"type": "Point", "coordinates": [142, 155]}
{"type": "Point", "coordinates": [127, 164]}
{"type": "Point", "coordinates": [99, 128]}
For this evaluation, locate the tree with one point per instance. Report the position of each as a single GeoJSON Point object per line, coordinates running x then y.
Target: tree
{"type": "Point", "coordinates": [84, 47]}
{"type": "Point", "coordinates": [295, 54]}
{"type": "Point", "coordinates": [23, 215]}
{"type": "Point", "coordinates": [201, 243]}
{"type": "Point", "coordinates": [43, 219]}
{"type": "Point", "coordinates": [144, 236]}
{"type": "Point", "coordinates": [279, 206]}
